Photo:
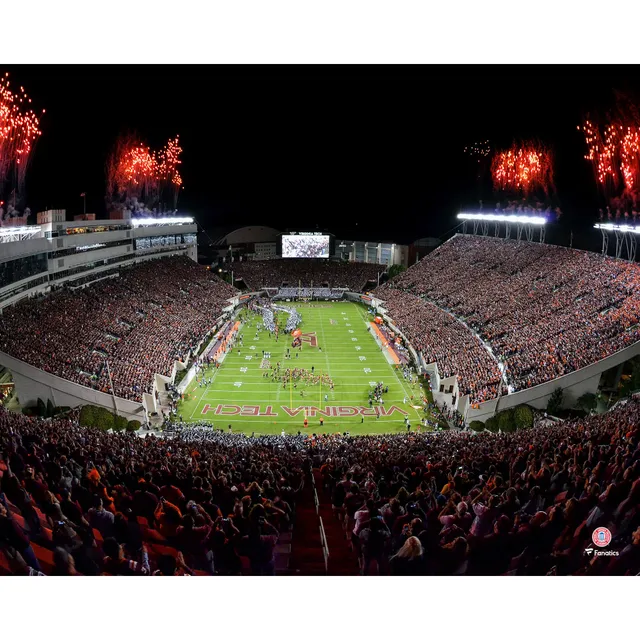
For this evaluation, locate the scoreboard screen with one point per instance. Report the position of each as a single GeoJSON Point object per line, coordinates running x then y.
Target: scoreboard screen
{"type": "Point", "coordinates": [302, 245]}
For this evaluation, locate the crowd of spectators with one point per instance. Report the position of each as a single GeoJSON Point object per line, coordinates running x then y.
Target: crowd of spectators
{"type": "Point", "coordinates": [79, 501]}
{"type": "Point", "coordinates": [460, 503]}
{"type": "Point", "coordinates": [451, 503]}
{"type": "Point", "coordinates": [152, 315]}
{"type": "Point", "coordinates": [306, 272]}
{"type": "Point", "coordinates": [544, 310]}
{"type": "Point", "coordinates": [308, 292]}
{"type": "Point", "coordinates": [444, 340]}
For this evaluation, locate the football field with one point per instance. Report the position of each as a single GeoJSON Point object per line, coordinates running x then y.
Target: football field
{"type": "Point", "coordinates": [337, 343]}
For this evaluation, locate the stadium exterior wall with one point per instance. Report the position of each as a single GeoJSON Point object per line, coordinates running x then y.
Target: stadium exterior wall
{"type": "Point", "coordinates": [32, 383]}
{"type": "Point", "coordinates": [574, 384]}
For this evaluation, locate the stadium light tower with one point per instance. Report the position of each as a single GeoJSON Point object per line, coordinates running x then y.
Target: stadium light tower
{"type": "Point", "coordinates": [626, 236]}
{"type": "Point", "coordinates": [526, 223]}
{"type": "Point", "coordinates": [146, 222]}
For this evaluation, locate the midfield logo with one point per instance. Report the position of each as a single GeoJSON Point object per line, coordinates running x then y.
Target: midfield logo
{"type": "Point", "coordinates": [310, 339]}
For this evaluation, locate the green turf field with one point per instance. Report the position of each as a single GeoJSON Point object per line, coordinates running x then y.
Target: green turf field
{"type": "Point", "coordinates": [240, 396]}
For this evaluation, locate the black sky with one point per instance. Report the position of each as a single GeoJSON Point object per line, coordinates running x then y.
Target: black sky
{"type": "Point", "coordinates": [376, 151]}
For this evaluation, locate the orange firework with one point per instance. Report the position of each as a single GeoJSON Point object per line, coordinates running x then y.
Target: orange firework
{"type": "Point", "coordinates": [134, 171]}
{"type": "Point", "coordinates": [167, 167]}
{"type": "Point", "coordinates": [523, 169]}
{"type": "Point", "coordinates": [613, 148]}
{"type": "Point", "coordinates": [478, 150]}
{"type": "Point", "coordinates": [19, 131]}
{"type": "Point", "coordinates": [603, 149]}
{"type": "Point", "coordinates": [630, 157]}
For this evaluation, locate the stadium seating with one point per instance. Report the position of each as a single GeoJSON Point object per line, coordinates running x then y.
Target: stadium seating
{"type": "Point", "coordinates": [544, 311]}
{"type": "Point", "coordinates": [447, 503]}
{"type": "Point", "coordinates": [141, 322]}
{"type": "Point", "coordinates": [443, 340]}
{"type": "Point", "coordinates": [245, 495]}
{"type": "Point", "coordinates": [306, 272]}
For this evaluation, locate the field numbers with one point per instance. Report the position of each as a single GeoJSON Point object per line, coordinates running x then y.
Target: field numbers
{"type": "Point", "coordinates": [248, 357]}
{"type": "Point", "coordinates": [358, 348]}
{"type": "Point", "coordinates": [347, 324]}
{"type": "Point", "coordinates": [354, 339]}
{"type": "Point", "coordinates": [363, 358]}
{"type": "Point", "coordinates": [350, 330]}
{"type": "Point", "coordinates": [237, 384]}
{"type": "Point", "coordinates": [252, 347]}
{"type": "Point", "coordinates": [367, 370]}
{"type": "Point", "coordinates": [243, 369]}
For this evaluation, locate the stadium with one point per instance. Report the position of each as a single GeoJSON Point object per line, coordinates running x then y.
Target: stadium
{"type": "Point", "coordinates": [315, 409]}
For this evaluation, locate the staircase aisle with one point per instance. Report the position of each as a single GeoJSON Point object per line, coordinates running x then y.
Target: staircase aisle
{"type": "Point", "coordinates": [342, 560]}
{"type": "Point", "coordinates": [306, 550]}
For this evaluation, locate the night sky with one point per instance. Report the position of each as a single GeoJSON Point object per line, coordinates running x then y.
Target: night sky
{"type": "Point", "coordinates": [371, 152]}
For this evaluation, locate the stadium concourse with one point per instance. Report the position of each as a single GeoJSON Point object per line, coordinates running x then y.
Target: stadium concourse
{"type": "Point", "coordinates": [84, 502]}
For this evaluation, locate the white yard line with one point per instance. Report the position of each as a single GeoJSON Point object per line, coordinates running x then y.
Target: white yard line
{"type": "Point", "coordinates": [407, 390]}
{"type": "Point", "coordinates": [326, 357]}
{"type": "Point", "coordinates": [215, 374]}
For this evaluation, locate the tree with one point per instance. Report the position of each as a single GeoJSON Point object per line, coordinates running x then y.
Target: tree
{"type": "Point", "coordinates": [555, 401]}
{"type": "Point", "coordinates": [476, 425]}
{"type": "Point", "coordinates": [505, 421]}
{"type": "Point", "coordinates": [106, 419]}
{"type": "Point", "coordinates": [631, 382]}
{"type": "Point", "coordinates": [492, 424]}
{"type": "Point", "coordinates": [523, 417]}
{"type": "Point", "coordinates": [119, 423]}
{"type": "Point", "coordinates": [50, 409]}
{"type": "Point", "coordinates": [587, 402]}
{"type": "Point", "coordinates": [88, 416]}
{"type": "Point", "coordinates": [396, 270]}
{"type": "Point", "coordinates": [42, 408]}
{"type": "Point", "coordinates": [133, 425]}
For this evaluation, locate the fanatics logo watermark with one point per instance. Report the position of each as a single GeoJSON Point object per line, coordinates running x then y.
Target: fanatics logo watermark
{"type": "Point", "coordinates": [601, 537]}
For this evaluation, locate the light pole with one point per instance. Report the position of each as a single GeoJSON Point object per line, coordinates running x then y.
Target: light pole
{"type": "Point", "coordinates": [83, 195]}
{"type": "Point", "coordinates": [113, 395]}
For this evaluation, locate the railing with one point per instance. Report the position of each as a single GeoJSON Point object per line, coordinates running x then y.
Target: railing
{"type": "Point", "coordinates": [323, 537]}
{"type": "Point", "coordinates": [325, 546]}
{"type": "Point", "coordinates": [316, 501]}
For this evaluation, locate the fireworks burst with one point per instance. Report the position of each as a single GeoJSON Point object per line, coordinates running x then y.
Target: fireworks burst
{"type": "Point", "coordinates": [478, 150]}
{"type": "Point", "coordinates": [167, 167]}
{"type": "Point", "coordinates": [134, 171]}
{"type": "Point", "coordinates": [523, 169]}
{"type": "Point", "coordinates": [603, 151]}
{"type": "Point", "coordinates": [614, 150]}
{"type": "Point", "coordinates": [19, 131]}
